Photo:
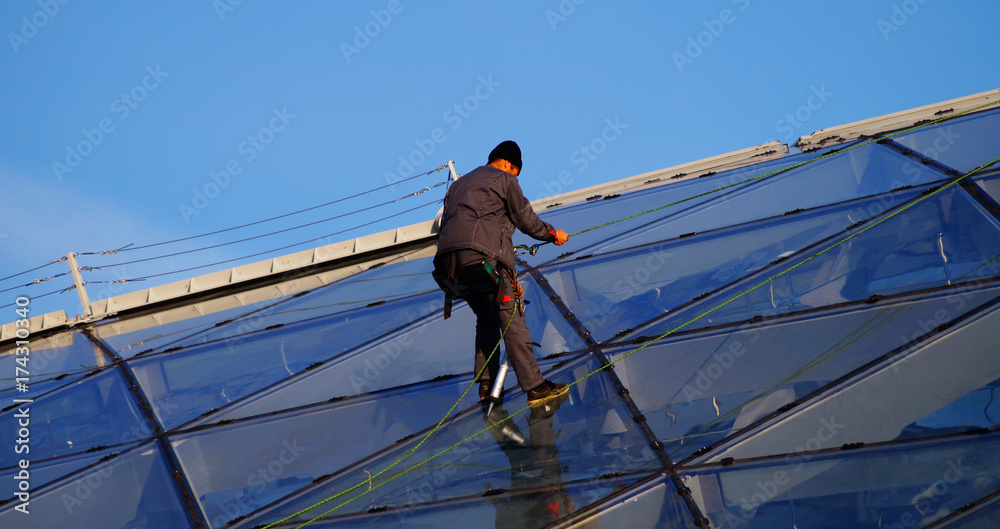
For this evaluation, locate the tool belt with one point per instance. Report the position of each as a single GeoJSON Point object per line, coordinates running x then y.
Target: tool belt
{"type": "Point", "coordinates": [480, 278]}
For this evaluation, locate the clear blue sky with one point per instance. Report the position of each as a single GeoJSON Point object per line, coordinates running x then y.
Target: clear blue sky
{"type": "Point", "coordinates": [116, 114]}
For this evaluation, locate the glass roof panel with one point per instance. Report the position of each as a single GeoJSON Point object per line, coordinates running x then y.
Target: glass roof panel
{"type": "Point", "coordinates": [957, 370]}
{"type": "Point", "coordinates": [38, 387]}
{"type": "Point", "coordinates": [220, 461]}
{"type": "Point", "coordinates": [580, 216]}
{"type": "Point", "coordinates": [654, 505]}
{"type": "Point", "coordinates": [131, 336]}
{"type": "Point", "coordinates": [985, 516]}
{"type": "Point", "coordinates": [67, 353]}
{"type": "Point", "coordinates": [428, 349]}
{"type": "Point", "coordinates": [947, 238]}
{"type": "Point", "coordinates": [615, 292]}
{"type": "Point", "coordinates": [188, 325]}
{"type": "Point", "coordinates": [990, 185]}
{"type": "Point", "coordinates": [130, 491]}
{"type": "Point", "coordinates": [387, 283]}
{"type": "Point", "coordinates": [45, 471]}
{"type": "Point", "coordinates": [523, 508]}
{"type": "Point", "coordinates": [95, 411]}
{"type": "Point", "coordinates": [897, 485]}
{"type": "Point", "coordinates": [696, 389]}
{"type": "Point", "coordinates": [863, 171]}
{"type": "Point", "coordinates": [509, 449]}
{"type": "Point", "coordinates": [208, 376]}
{"type": "Point", "coordinates": [961, 143]}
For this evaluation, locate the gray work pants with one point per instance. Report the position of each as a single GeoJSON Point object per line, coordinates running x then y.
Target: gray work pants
{"type": "Point", "coordinates": [491, 319]}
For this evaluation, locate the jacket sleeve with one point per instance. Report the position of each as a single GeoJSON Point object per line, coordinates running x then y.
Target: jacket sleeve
{"type": "Point", "coordinates": [522, 215]}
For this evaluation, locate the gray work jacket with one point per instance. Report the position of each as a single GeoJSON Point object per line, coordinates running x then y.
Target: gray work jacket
{"type": "Point", "coordinates": [481, 211]}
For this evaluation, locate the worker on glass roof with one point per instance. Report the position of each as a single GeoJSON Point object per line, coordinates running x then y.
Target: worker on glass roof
{"type": "Point", "coordinates": [475, 262]}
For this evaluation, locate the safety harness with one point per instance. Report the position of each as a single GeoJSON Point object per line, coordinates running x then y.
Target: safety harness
{"type": "Point", "coordinates": [480, 278]}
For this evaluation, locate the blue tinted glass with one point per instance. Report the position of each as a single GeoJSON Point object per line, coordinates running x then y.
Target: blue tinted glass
{"type": "Point", "coordinates": [905, 485]}
{"type": "Point", "coordinates": [961, 143]}
{"type": "Point", "coordinates": [946, 238]}
{"type": "Point", "coordinates": [671, 198]}
{"type": "Point", "coordinates": [978, 408]}
{"type": "Point", "coordinates": [131, 336]}
{"type": "Point", "coordinates": [855, 173]}
{"type": "Point", "coordinates": [130, 491]}
{"type": "Point", "coordinates": [69, 353]}
{"type": "Point", "coordinates": [208, 376]}
{"type": "Point", "coordinates": [190, 325]}
{"type": "Point", "coordinates": [423, 351]}
{"type": "Point", "coordinates": [277, 455]}
{"type": "Point", "coordinates": [527, 508]}
{"type": "Point", "coordinates": [46, 471]}
{"type": "Point", "coordinates": [949, 385]}
{"type": "Point", "coordinates": [511, 448]}
{"type": "Point", "coordinates": [653, 505]}
{"type": "Point", "coordinates": [615, 292]}
{"type": "Point", "coordinates": [985, 516]}
{"type": "Point", "coordinates": [40, 386]}
{"type": "Point", "coordinates": [385, 283]}
{"type": "Point", "coordinates": [95, 411]}
{"type": "Point", "coordinates": [991, 186]}
{"type": "Point", "coordinates": [696, 389]}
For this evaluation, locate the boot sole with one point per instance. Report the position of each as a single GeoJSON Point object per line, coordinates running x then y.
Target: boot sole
{"type": "Point", "coordinates": [548, 398]}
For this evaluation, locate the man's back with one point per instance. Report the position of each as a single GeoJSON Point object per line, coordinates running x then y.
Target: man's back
{"type": "Point", "coordinates": [481, 211]}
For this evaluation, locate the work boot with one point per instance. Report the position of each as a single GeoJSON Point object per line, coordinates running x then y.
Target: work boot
{"type": "Point", "coordinates": [484, 389]}
{"type": "Point", "coordinates": [548, 393]}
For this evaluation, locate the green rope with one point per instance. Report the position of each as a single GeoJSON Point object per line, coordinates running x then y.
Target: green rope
{"type": "Point", "coordinates": [371, 479]}
{"type": "Point", "coordinates": [412, 450]}
{"type": "Point", "coordinates": [850, 339]}
{"type": "Point", "coordinates": [534, 248]}
{"type": "Point", "coordinates": [612, 363]}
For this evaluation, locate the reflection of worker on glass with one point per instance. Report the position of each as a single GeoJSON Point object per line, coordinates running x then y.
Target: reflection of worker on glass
{"type": "Point", "coordinates": [535, 464]}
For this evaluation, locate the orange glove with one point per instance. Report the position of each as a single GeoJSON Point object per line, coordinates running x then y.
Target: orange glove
{"type": "Point", "coordinates": [561, 237]}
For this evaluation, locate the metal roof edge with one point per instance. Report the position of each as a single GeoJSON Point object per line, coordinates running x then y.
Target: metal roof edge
{"type": "Point", "coordinates": [379, 241]}
{"type": "Point", "coordinates": [288, 264]}
{"type": "Point", "coordinates": [46, 321]}
{"type": "Point", "coordinates": [897, 120]}
{"type": "Point", "coordinates": [245, 274]}
{"type": "Point", "coordinates": [285, 264]}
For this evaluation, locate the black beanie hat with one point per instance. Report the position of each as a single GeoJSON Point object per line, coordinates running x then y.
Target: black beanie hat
{"type": "Point", "coordinates": [509, 151]}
